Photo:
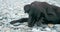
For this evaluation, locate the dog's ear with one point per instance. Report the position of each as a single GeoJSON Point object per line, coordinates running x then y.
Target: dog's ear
{"type": "Point", "coordinates": [27, 8]}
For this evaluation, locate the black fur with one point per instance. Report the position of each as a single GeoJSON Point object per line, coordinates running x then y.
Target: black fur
{"type": "Point", "coordinates": [37, 10]}
{"type": "Point", "coordinates": [22, 20]}
{"type": "Point", "coordinates": [40, 12]}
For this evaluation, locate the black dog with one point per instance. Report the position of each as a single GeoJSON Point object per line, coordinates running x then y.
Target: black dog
{"type": "Point", "coordinates": [37, 10]}
{"type": "Point", "coordinates": [40, 11]}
